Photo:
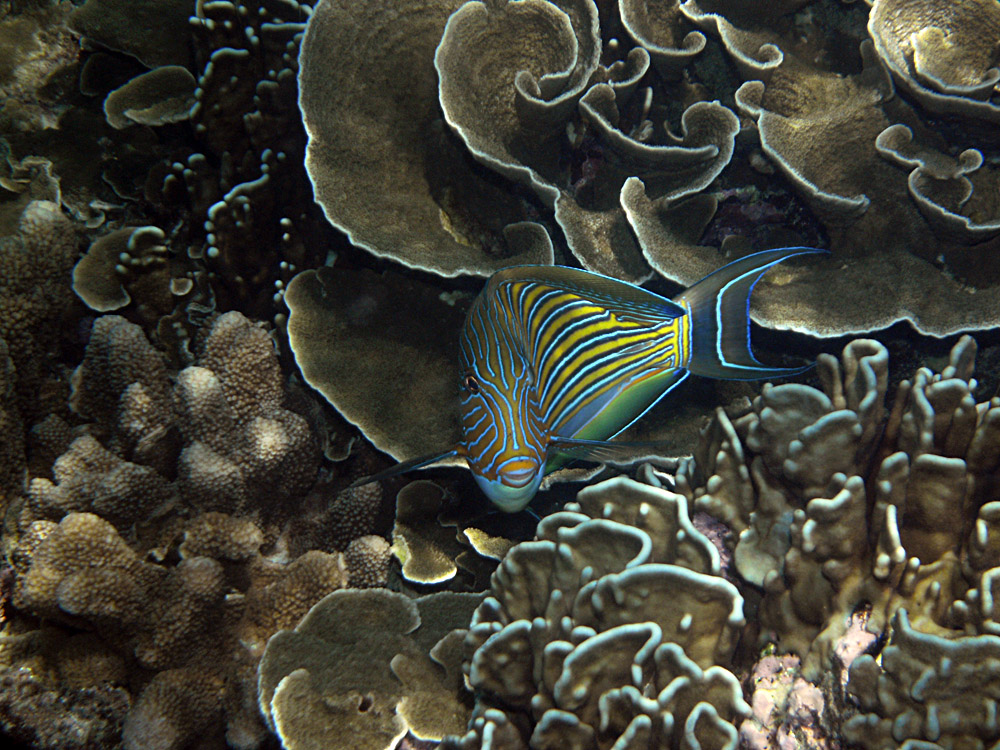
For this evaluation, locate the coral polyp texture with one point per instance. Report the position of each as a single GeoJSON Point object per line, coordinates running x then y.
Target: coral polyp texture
{"type": "Point", "coordinates": [240, 237]}
{"type": "Point", "coordinates": [220, 430]}
{"type": "Point", "coordinates": [149, 529]}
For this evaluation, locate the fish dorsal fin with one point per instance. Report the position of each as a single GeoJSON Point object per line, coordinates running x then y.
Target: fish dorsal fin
{"type": "Point", "coordinates": [405, 466]}
{"type": "Point", "coordinates": [625, 300]}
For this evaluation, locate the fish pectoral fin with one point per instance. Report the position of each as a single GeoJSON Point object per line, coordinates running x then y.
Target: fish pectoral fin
{"type": "Point", "coordinates": [405, 466]}
{"type": "Point", "coordinates": [602, 451]}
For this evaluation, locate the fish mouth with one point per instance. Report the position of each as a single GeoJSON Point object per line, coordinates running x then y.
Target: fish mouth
{"type": "Point", "coordinates": [519, 473]}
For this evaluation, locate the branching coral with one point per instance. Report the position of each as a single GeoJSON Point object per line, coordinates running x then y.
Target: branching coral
{"type": "Point", "coordinates": [199, 625]}
{"type": "Point", "coordinates": [221, 429]}
{"type": "Point", "coordinates": [35, 262]}
{"type": "Point", "coordinates": [184, 597]}
{"type": "Point", "coordinates": [840, 503]}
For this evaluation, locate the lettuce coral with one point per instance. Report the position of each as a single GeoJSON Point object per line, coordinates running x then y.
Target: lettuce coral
{"type": "Point", "coordinates": [613, 626]}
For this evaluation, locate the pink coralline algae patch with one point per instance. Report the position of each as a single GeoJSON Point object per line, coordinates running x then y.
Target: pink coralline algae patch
{"type": "Point", "coordinates": [855, 642]}
{"type": "Point", "coordinates": [788, 712]}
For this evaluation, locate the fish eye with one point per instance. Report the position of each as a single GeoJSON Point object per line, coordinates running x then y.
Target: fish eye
{"type": "Point", "coordinates": [471, 384]}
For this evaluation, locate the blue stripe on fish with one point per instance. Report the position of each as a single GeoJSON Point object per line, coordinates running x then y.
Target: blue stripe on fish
{"type": "Point", "coordinates": [558, 360]}
{"type": "Point", "coordinates": [559, 354]}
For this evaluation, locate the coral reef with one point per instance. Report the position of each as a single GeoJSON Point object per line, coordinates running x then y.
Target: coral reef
{"type": "Point", "coordinates": [370, 665]}
{"type": "Point", "coordinates": [360, 339]}
{"type": "Point", "coordinates": [839, 504]}
{"type": "Point", "coordinates": [616, 152]}
{"type": "Point", "coordinates": [612, 626]}
{"type": "Point", "coordinates": [185, 565]}
{"type": "Point", "coordinates": [220, 429]}
{"type": "Point", "coordinates": [419, 202]}
{"type": "Point", "coordinates": [142, 533]}
{"type": "Point", "coordinates": [381, 349]}
{"type": "Point", "coordinates": [35, 260]}
{"type": "Point", "coordinates": [191, 632]}
{"type": "Point", "coordinates": [40, 717]}
{"type": "Point", "coordinates": [928, 689]}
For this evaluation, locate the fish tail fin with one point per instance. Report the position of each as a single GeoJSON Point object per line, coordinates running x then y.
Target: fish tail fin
{"type": "Point", "coordinates": [719, 311]}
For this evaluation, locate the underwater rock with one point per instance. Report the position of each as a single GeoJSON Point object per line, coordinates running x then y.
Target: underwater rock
{"type": "Point", "coordinates": [47, 719]}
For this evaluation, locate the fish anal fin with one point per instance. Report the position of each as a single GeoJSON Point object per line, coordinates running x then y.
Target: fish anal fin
{"type": "Point", "coordinates": [601, 451]}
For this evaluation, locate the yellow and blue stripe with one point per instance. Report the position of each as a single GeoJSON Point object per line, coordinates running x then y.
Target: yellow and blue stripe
{"type": "Point", "coordinates": [556, 356]}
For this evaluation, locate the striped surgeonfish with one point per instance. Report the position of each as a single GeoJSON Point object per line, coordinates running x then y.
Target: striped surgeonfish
{"type": "Point", "coordinates": [557, 360]}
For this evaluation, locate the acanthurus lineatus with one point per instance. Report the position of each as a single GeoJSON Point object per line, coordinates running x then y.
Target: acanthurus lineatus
{"type": "Point", "coordinates": [557, 361]}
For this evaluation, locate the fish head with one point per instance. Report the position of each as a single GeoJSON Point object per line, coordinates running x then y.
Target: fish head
{"type": "Point", "coordinates": [504, 439]}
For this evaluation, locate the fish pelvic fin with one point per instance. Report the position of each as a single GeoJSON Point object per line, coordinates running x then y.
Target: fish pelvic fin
{"type": "Point", "coordinates": [719, 310]}
{"type": "Point", "coordinates": [405, 466]}
{"type": "Point", "coordinates": [603, 451]}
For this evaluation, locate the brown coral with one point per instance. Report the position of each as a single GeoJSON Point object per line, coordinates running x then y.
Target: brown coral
{"type": "Point", "coordinates": [839, 502]}
{"type": "Point", "coordinates": [199, 625]}
{"type": "Point", "coordinates": [221, 429]}
{"type": "Point", "coordinates": [35, 262]}
{"type": "Point", "coordinates": [333, 676]}
{"type": "Point", "coordinates": [419, 203]}
{"type": "Point", "coordinates": [942, 54]}
{"type": "Point", "coordinates": [613, 624]}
